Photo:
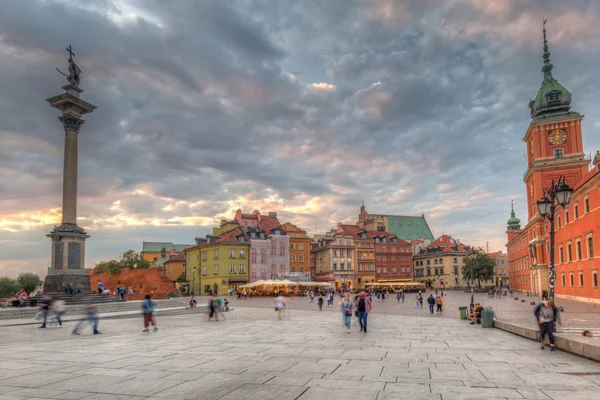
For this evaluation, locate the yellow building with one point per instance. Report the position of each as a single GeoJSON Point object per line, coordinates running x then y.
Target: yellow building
{"type": "Point", "coordinates": [218, 264]}
{"type": "Point", "coordinates": [299, 248]}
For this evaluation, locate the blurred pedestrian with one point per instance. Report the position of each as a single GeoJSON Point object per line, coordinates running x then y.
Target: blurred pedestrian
{"type": "Point", "coordinates": [57, 309]}
{"type": "Point", "coordinates": [45, 303]}
{"type": "Point", "coordinates": [91, 316]}
{"type": "Point", "coordinates": [547, 315]}
{"type": "Point", "coordinates": [320, 302]}
{"type": "Point", "coordinates": [148, 306]}
{"type": "Point", "coordinates": [280, 305]}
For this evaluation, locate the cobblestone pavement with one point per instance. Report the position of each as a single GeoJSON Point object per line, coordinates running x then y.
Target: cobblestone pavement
{"type": "Point", "coordinates": [577, 314]}
{"type": "Point", "coordinates": [307, 355]}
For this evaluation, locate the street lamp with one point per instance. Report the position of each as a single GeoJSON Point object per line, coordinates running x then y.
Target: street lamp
{"type": "Point", "coordinates": [471, 256]}
{"type": "Point", "coordinates": [560, 193]}
{"type": "Point", "coordinates": [194, 280]}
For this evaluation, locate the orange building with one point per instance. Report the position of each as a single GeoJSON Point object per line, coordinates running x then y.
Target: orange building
{"type": "Point", "coordinates": [175, 266]}
{"type": "Point", "coordinates": [555, 149]}
{"type": "Point", "coordinates": [364, 251]}
{"type": "Point", "coordinates": [157, 253]}
{"type": "Point", "coordinates": [299, 248]}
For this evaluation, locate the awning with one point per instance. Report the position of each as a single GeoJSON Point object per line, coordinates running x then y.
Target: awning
{"type": "Point", "coordinates": [238, 280]}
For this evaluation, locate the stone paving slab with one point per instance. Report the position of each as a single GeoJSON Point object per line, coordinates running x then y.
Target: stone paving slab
{"type": "Point", "coordinates": [309, 355]}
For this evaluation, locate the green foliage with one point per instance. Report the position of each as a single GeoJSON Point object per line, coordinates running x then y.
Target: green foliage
{"type": "Point", "coordinates": [112, 266]}
{"type": "Point", "coordinates": [183, 289]}
{"type": "Point", "coordinates": [181, 278]}
{"type": "Point", "coordinates": [29, 282]}
{"type": "Point", "coordinates": [8, 286]}
{"type": "Point", "coordinates": [479, 268]}
{"type": "Point", "coordinates": [129, 259]}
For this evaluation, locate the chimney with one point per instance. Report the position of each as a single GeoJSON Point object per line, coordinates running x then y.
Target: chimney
{"type": "Point", "coordinates": [223, 221]}
{"type": "Point", "coordinates": [272, 214]}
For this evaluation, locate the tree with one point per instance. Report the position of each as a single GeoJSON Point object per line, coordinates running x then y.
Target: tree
{"type": "Point", "coordinates": [29, 282]}
{"type": "Point", "coordinates": [112, 266]}
{"type": "Point", "coordinates": [181, 278]}
{"type": "Point", "coordinates": [131, 259]}
{"type": "Point", "coordinates": [479, 267]}
{"type": "Point", "coordinates": [8, 286]}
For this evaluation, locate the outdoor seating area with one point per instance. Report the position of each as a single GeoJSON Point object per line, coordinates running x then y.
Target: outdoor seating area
{"type": "Point", "coordinates": [273, 287]}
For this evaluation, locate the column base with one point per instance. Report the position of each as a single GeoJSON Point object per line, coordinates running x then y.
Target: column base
{"type": "Point", "coordinates": [56, 284]}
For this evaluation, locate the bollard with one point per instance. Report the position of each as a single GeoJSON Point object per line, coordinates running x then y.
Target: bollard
{"type": "Point", "coordinates": [522, 300]}
{"type": "Point", "coordinates": [516, 298]}
{"type": "Point", "coordinates": [532, 303]}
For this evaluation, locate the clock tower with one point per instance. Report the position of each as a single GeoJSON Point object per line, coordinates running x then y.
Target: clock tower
{"type": "Point", "coordinates": [554, 141]}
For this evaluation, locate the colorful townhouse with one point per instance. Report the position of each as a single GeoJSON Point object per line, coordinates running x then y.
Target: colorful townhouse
{"type": "Point", "coordinates": [299, 250]}
{"type": "Point", "coordinates": [270, 257]}
{"type": "Point", "coordinates": [218, 263]}
{"type": "Point", "coordinates": [393, 257]}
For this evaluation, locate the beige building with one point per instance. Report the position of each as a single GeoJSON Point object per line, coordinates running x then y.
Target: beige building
{"type": "Point", "coordinates": [501, 268]}
{"type": "Point", "coordinates": [439, 265]}
{"type": "Point", "coordinates": [334, 260]}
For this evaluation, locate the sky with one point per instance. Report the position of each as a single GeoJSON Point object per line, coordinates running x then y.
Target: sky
{"type": "Point", "coordinates": [306, 108]}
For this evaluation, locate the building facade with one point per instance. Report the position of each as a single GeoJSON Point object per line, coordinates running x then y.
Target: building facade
{"type": "Point", "coordinates": [334, 259]}
{"type": "Point", "coordinates": [299, 249]}
{"type": "Point", "coordinates": [364, 250]}
{"type": "Point", "coordinates": [439, 265]}
{"type": "Point", "coordinates": [554, 143]}
{"type": "Point", "coordinates": [175, 266]}
{"type": "Point", "coordinates": [219, 264]}
{"type": "Point", "coordinates": [393, 257]}
{"type": "Point", "coordinates": [271, 244]}
{"type": "Point", "coordinates": [501, 277]}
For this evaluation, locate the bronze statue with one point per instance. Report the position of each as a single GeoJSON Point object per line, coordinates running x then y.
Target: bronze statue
{"type": "Point", "coordinates": [74, 70]}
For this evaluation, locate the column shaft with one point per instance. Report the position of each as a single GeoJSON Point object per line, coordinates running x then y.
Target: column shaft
{"type": "Point", "coordinates": [69, 208]}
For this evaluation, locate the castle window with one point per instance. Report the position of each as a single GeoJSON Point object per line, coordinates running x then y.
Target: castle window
{"type": "Point", "coordinates": [553, 97]}
{"type": "Point", "coordinates": [558, 153]}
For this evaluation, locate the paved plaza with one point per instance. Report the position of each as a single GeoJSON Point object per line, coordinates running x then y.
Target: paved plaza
{"type": "Point", "coordinates": [308, 355]}
{"type": "Point", "coordinates": [577, 314]}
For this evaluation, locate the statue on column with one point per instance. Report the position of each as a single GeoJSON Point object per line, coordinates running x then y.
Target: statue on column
{"type": "Point", "coordinates": [74, 70]}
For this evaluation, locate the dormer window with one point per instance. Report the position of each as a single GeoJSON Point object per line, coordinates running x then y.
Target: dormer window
{"type": "Point", "coordinates": [552, 97]}
{"type": "Point", "coordinates": [262, 235]}
{"type": "Point", "coordinates": [253, 235]}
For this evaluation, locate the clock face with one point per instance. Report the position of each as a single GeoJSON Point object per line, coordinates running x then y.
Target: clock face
{"type": "Point", "coordinates": [557, 136]}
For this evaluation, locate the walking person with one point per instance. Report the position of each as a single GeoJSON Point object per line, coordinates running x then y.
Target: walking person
{"type": "Point", "coordinates": [403, 297]}
{"type": "Point", "coordinates": [100, 287]}
{"type": "Point", "coordinates": [280, 305]}
{"type": "Point", "coordinates": [346, 307]}
{"type": "Point", "coordinates": [148, 311]}
{"type": "Point", "coordinates": [431, 302]}
{"type": "Point", "coordinates": [320, 302]}
{"type": "Point", "coordinates": [45, 303]}
{"type": "Point", "coordinates": [398, 295]}
{"type": "Point", "coordinates": [439, 302]}
{"type": "Point", "coordinates": [91, 316]}
{"type": "Point", "coordinates": [57, 308]}
{"type": "Point", "coordinates": [417, 301]}
{"type": "Point", "coordinates": [421, 300]}
{"type": "Point", "coordinates": [547, 315]}
{"type": "Point", "coordinates": [363, 305]}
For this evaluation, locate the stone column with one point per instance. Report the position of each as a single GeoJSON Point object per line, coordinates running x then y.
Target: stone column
{"type": "Point", "coordinates": [71, 125]}
{"type": "Point", "coordinates": [68, 239]}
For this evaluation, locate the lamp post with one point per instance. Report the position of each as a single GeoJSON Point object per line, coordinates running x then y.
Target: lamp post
{"type": "Point", "coordinates": [470, 257]}
{"type": "Point", "coordinates": [558, 193]}
{"type": "Point", "coordinates": [194, 280]}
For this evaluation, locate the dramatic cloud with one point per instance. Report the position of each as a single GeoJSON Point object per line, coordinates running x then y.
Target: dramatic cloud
{"type": "Point", "coordinates": [304, 108]}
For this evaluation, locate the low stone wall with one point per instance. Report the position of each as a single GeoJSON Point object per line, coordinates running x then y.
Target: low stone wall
{"type": "Point", "coordinates": [588, 347]}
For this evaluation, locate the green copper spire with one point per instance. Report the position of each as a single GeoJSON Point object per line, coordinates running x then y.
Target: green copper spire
{"type": "Point", "coordinates": [547, 68]}
{"type": "Point", "coordinates": [553, 101]}
{"type": "Point", "coordinates": [514, 223]}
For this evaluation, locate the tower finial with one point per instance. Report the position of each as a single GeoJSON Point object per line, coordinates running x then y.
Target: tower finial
{"type": "Point", "coordinates": [512, 208]}
{"type": "Point", "coordinates": [547, 68]}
